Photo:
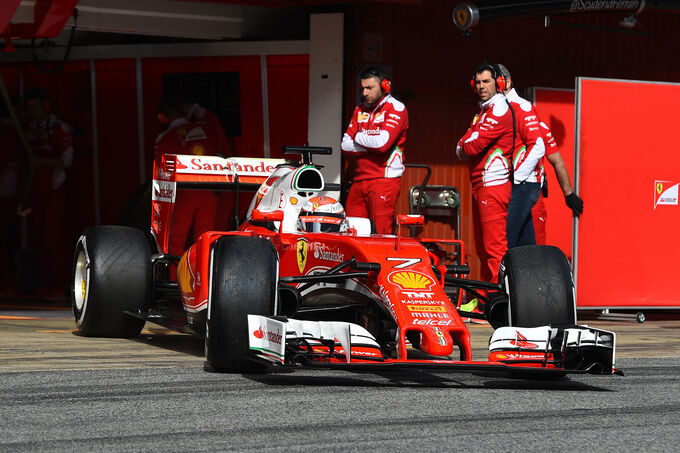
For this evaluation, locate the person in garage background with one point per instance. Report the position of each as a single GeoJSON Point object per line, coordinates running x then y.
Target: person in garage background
{"type": "Point", "coordinates": [194, 210]}
{"type": "Point", "coordinates": [375, 141]}
{"type": "Point", "coordinates": [51, 141]}
{"type": "Point", "coordinates": [539, 213]}
{"type": "Point", "coordinates": [198, 114]}
{"type": "Point", "coordinates": [527, 162]}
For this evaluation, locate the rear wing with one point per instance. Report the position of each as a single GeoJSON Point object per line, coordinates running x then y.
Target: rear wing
{"type": "Point", "coordinates": [180, 171]}
{"type": "Point", "coordinates": [217, 173]}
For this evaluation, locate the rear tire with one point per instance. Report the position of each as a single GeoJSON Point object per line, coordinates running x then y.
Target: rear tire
{"type": "Point", "coordinates": [243, 281]}
{"type": "Point", "coordinates": [111, 274]}
{"type": "Point", "coordinates": [538, 282]}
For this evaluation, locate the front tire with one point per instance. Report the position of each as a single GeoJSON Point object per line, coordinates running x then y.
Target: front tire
{"type": "Point", "coordinates": [111, 274]}
{"type": "Point", "coordinates": [539, 285]}
{"type": "Point", "coordinates": [244, 280]}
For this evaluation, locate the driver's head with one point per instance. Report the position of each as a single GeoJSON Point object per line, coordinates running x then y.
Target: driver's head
{"type": "Point", "coordinates": [321, 214]}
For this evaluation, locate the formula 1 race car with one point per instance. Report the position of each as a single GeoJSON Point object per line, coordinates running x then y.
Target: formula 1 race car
{"type": "Point", "coordinates": [299, 283]}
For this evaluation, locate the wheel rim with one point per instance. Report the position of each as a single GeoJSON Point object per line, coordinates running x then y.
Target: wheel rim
{"type": "Point", "coordinates": [81, 279]}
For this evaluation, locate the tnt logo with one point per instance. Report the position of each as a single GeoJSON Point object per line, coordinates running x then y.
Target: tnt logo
{"type": "Point", "coordinates": [417, 295]}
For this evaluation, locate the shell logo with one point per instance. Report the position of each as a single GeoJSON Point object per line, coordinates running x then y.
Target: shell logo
{"type": "Point", "coordinates": [411, 280]}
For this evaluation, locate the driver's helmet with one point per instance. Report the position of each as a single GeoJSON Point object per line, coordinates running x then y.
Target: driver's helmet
{"type": "Point", "coordinates": [321, 214]}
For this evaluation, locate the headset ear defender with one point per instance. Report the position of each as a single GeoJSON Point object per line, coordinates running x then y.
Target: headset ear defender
{"type": "Point", "coordinates": [500, 83]}
{"type": "Point", "coordinates": [385, 86]}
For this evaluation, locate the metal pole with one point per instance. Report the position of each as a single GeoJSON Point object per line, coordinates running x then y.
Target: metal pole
{"type": "Point", "coordinates": [140, 121]}
{"type": "Point", "coordinates": [265, 105]}
{"type": "Point", "coordinates": [95, 142]}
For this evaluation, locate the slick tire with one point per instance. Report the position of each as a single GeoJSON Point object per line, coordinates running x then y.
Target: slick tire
{"type": "Point", "coordinates": [243, 281]}
{"type": "Point", "coordinates": [111, 274]}
{"type": "Point", "coordinates": [539, 285]}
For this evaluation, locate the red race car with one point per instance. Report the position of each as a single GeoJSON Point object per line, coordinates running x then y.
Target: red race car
{"type": "Point", "coordinates": [299, 283]}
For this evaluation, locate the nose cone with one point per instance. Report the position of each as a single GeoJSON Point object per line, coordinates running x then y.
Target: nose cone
{"type": "Point", "coordinates": [435, 341]}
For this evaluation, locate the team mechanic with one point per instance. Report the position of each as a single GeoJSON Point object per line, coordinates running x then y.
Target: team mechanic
{"type": "Point", "coordinates": [375, 141]}
{"type": "Point", "coordinates": [527, 163]}
{"type": "Point", "coordinates": [539, 213]}
{"type": "Point", "coordinates": [192, 208]}
{"type": "Point", "coordinates": [487, 146]}
{"type": "Point", "coordinates": [52, 142]}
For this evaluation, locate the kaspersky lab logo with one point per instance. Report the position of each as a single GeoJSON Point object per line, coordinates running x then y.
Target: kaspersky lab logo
{"type": "Point", "coordinates": [665, 193]}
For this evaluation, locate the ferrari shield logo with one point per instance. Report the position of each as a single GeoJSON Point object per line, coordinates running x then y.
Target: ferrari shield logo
{"type": "Point", "coordinates": [462, 17]}
{"type": "Point", "coordinates": [301, 249]}
{"type": "Point", "coordinates": [659, 187]}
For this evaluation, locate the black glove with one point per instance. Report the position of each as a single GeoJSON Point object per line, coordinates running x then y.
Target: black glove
{"type": "Point", "coordinates": [575, 203]}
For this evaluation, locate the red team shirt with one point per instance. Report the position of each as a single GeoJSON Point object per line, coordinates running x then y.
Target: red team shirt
{"type": "Point", "coordinates": [184, 137]}
{"type": "Point", "coordinates": [376, 136]}
{"type": "Point", "coordinates": [213, 128]}
{"type": "Point", "coordinates": [529, 143]}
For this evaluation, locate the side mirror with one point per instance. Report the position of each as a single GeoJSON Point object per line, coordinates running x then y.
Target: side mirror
{"type": "Point", "coordinates": [407, 220]}
{"type": "Point", "coordinates": [410, 220]}
{"type": "Point", "coordinates": [267, 216]}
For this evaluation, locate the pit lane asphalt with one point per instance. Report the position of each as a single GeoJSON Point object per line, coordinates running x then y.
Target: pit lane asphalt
{"type": "Point", "coordinates": [63, 392]}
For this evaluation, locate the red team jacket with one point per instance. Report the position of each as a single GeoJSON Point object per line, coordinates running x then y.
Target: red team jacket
{"type": "Point", "coordinates": [184, 137]}
{"type": "Point", "coordinates": [488, 144]}
{"type": "Point", "coordinates": [213, 128]}
{"type": "Point", "coordinates": [376, 136]}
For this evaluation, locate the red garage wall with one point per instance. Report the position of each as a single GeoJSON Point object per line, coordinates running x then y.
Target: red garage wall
{"type": "Point", "coordinates": [118, 150]}
{"type": "Point", "coordinates": [287, 77]}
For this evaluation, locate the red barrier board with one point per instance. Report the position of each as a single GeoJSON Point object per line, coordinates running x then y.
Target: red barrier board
{"type": "Point", "coordinates": [628, 170]}
{"type": "Point", "coordinates": [556, 108]}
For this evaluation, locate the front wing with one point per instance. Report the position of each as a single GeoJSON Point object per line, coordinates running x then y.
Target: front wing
{"type": "Point", "coordinates": [539, 351]}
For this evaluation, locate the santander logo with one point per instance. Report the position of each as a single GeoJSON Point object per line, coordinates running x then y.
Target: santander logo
{"type": "Point", "coordinates": [274, 337]}
{"type": "Point", "coordinates": [522, 342]}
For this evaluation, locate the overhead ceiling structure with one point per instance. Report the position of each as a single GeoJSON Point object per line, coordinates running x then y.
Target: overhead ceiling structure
{"type": "Point", "coordinates": [188, 19]}
{"type": "Point", "coordinates": [47, 18]}
{"type": "Point", "coordinates": [467, 15]}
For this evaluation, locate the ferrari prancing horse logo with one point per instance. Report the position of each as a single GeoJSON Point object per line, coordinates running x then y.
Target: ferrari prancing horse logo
{"type": "Point", "coordinates": [301, 249]}
{"type": "Point", "coordinates": [462, 17]}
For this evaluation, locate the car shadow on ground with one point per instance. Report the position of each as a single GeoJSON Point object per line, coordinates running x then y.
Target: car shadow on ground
{"type": "Point", "coordinates": [420, 379]}
{"type": "Point", "coordinates": [172, 341]}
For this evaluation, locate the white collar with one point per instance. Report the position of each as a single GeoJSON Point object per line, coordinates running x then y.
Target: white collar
{"type": "Point", "coordinates": [490, 102]}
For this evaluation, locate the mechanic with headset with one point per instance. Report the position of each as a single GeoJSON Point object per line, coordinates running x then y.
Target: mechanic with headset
{"type": "Point", "coordinates": [375, 140]}
{"type": "Point", "coordinates": [198, 114]}
{"type": "Point", "coordinates": [487, 147]}
{"type": "Point", "coordinates": [193, 209]}
{"type": "Point", "coordinates": [51, 141]}
{"type": "Point", "coordinates": [527, 163]}
{"type": "Point", "coordinates": [539, 213]}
